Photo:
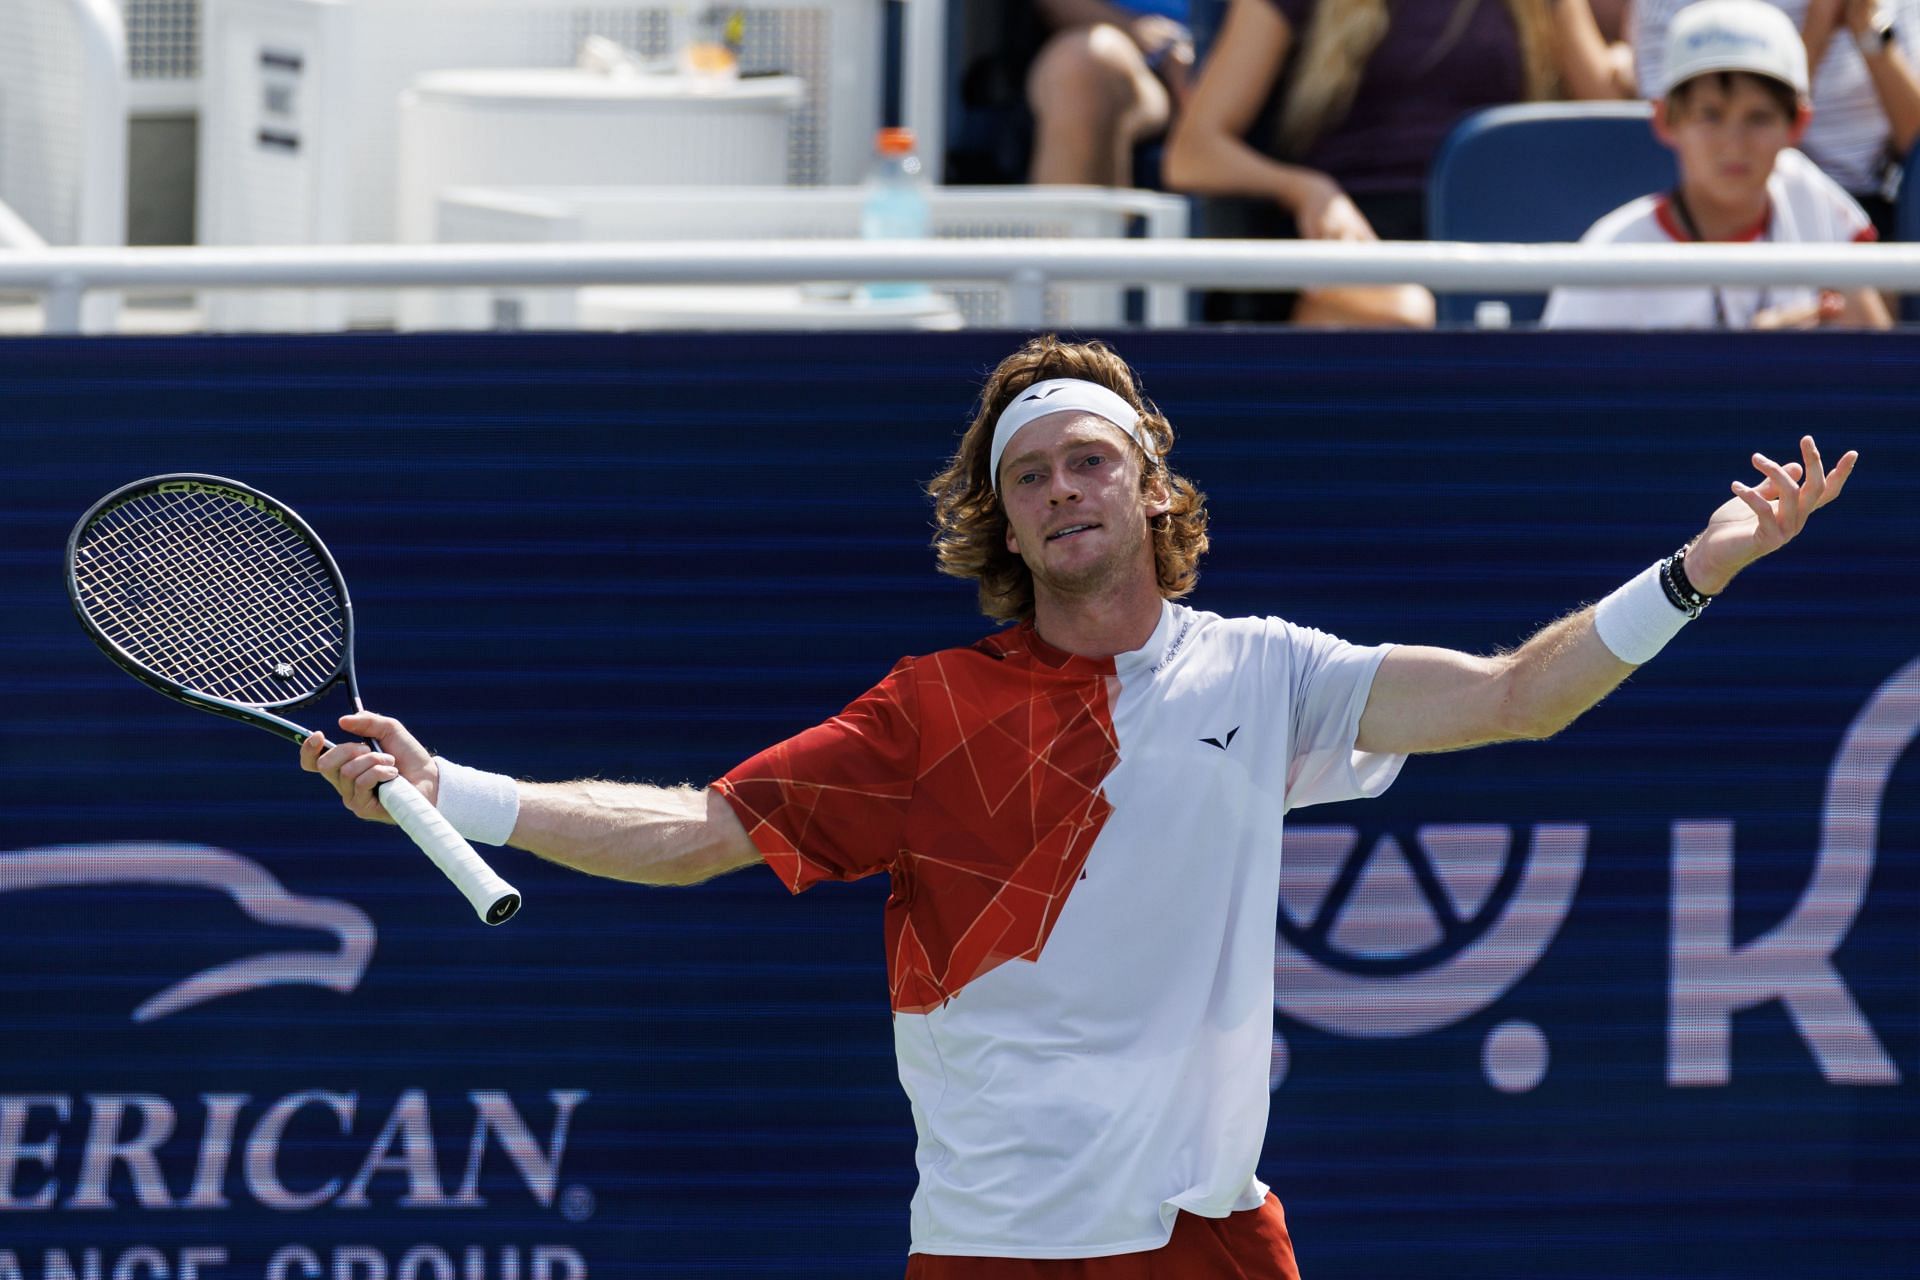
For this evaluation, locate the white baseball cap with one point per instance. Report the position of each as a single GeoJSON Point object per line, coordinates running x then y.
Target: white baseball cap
{"type": "Point", "coordinates": [1734, 35]}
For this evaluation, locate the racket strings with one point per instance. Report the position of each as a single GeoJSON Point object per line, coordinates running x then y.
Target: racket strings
{"type": "Point", "coordinates": [214, 595]}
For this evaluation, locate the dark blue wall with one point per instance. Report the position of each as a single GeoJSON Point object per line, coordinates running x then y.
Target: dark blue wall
{"type": "Point", "coordinates": [645, 558]}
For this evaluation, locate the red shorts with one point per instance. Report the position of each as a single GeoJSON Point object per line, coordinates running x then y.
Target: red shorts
{"type": "Point", "coordinates": [1250, 1245]}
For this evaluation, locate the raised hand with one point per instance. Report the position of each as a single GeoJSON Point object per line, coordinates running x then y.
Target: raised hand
{"type": "Point", "coordinates": [1760, 519]}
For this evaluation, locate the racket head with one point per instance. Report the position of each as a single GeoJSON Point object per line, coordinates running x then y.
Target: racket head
{"type": "Point", "coordinates": [213, 593]}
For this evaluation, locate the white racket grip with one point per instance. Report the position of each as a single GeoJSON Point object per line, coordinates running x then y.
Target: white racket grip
{"type": "Point", "coordinates": [493, 899]}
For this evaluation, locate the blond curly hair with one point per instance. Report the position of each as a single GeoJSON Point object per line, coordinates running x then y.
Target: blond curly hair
{"type": "Point", "coordinates": [970, 537]}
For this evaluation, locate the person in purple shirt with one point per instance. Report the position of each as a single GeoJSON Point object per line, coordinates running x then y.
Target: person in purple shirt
{"type": "Point", "coordinates": [1324, 115]}
{"type": "Point", "coordinates": [1111, 76]}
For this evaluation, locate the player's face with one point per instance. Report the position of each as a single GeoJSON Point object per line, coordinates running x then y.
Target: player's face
{"type": "Point", "coordinates": [1726, 138]}
{"type": "Point", "coordinates": [1070, 483]}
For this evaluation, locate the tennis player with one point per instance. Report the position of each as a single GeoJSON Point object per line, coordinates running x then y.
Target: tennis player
{"type": "Point", "coordinates": [1081, 816]}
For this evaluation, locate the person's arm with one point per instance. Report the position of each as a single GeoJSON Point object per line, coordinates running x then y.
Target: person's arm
{"type": "Point", "coordinates": [1894, 80]}
{"type": "Point", "coordinates": [1863, 309]}
{"type": "Point", "coordinates": [1589, 67]}
{"type": "Point", "coordinates": [646, 834]}
{"type": "Point", "coordinates": [1426, 699]}
{"type": "Point", "coordinates": [1823, 19]}
{"type": "Point", "coordinates": [1207, 152]}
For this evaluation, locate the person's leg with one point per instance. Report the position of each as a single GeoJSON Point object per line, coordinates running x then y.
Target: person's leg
{"type": "Point", "coordinates": [1393, 216]}
{"type": "Point", "coordinates": [1372, 306]}
{"type": "Point", "coordinates": [1093, 99]}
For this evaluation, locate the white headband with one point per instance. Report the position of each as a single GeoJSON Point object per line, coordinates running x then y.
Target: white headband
{"type": "Point", "coordinates": [1053, 396]}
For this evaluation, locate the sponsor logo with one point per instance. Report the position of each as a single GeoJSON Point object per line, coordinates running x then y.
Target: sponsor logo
{"type": "Point", "coordinates": [1388, 940]}
{"type": "Point", "coordinates": [251, 887]}
{"type": "Point", "coordinates": [315, 1151]}
{"type": "Point", "coordinates": [1173, 649]}
{"type": "Point", "coordinates": [240, 496]}
{"type": "Point", "coordinates": [238, 1146]}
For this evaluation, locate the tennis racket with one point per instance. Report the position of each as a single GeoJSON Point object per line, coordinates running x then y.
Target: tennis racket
{"type": "Point", "coordinates": [220, 597]}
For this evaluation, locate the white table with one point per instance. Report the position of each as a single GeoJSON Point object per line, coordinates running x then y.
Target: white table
{"type": "Point", "coordinates": [568, 126]}
{"type": "Point", "coordinates": [777, 307]}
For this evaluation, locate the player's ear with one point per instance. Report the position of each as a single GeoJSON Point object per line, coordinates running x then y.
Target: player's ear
{"type": "Point", "coordinates": [1013, 542]}
{"type": "Point", "coordinates": [1158, 497]}
{"type": "Point", "coordinates": [1663, 113]}
{"type": "Point", "coordinates": [1801, 119]}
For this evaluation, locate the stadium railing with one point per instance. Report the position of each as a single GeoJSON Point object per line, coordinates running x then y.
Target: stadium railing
{"type": "Point", "coordinates": [1026, 269]}
{"type": "Point", "coordinates": [549, 215]}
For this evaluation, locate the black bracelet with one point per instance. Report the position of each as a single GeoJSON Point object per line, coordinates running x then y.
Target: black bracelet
{"type": "Point", "coordinates": [1681, 593]}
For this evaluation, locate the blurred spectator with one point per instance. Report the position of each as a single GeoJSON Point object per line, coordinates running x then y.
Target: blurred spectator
{"type": "Point", "coordinates": [1326, 114]}
{"type": "Point", "coordinates": [1611, 15]}
{"type": "Point", "coordinates": [1733, 102]}
{"type": "Point", "coordinates": [1109, 77]}
{"type": "Point", "coordinates": [1866, 97]}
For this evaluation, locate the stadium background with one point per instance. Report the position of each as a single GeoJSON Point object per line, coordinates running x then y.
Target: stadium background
{"type": "Point", "coordinates": [645, 557]}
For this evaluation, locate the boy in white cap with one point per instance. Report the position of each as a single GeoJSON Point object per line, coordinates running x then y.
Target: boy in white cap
{"type": "Point", "coordinates": [1732, 106]}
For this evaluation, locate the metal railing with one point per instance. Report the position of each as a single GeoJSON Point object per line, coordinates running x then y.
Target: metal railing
{"type": "Point", "coordinates": [63, 277]}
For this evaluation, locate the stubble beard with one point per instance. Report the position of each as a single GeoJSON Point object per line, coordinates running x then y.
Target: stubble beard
{"type": "Point", "coordinates": [1098, 579]}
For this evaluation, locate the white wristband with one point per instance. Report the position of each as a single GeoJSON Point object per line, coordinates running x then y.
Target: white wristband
{"type": "Point", "coordinates": [480, 806]}
{"type": "Point", "coordinates": [1637, 620]}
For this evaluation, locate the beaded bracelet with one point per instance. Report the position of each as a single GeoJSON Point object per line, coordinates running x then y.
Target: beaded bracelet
{"type": "Point", "coordinates": [1681, 592]}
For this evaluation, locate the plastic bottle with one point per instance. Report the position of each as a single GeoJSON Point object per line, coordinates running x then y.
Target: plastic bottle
{"type": "Point", "coordinates": [713, 48]}
{"type": "Point", "coordinates": [895, 206]}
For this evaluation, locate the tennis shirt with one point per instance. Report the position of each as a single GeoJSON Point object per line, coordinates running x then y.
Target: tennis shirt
{"type": "Point", "coordinates": [1085, 865]}
{"type": "Point", "coordinates": [1804, 206]}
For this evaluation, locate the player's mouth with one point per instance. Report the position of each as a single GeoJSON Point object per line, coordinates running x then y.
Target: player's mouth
{"type": "Point", "coordinates": [1070, 531]}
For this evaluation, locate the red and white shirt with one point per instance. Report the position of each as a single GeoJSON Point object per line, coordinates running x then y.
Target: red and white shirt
{"type": "Point", "coordinates": [1085, 859]}
{"type": "Point", "coordinates": [1805, 206]}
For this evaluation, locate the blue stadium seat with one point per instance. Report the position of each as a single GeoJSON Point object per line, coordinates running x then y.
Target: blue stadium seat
{"type": "Point", "coordinates": [1906, 226]}
{"type": "Point", "coordinates": [1538, 172]}
{"type": "Point", "coordinates": [1203, 19]}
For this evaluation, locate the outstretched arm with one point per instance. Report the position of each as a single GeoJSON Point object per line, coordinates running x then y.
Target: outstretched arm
{"type": "Point", "coordinates": [1426, 699]}
{"type": "Point", "coordinates": [647, 834]}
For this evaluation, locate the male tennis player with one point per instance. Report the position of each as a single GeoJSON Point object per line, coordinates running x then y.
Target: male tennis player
{"type": "Point", "coordinates": [1081, 817]}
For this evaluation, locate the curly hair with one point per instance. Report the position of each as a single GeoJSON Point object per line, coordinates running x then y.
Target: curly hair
{"type": "Point", "coordinates": [970, 525]}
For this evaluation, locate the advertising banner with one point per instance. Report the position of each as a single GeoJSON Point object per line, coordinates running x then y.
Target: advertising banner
{"type": "Point", "coordinates": [1639, 1000]}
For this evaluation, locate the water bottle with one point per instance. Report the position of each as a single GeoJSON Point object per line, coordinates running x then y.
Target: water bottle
{"type": "Point", "coordinates": [895, 207]}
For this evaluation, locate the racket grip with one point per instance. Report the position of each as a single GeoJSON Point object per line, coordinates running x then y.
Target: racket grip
{"type": "Point", "coordinates": [493, 899]}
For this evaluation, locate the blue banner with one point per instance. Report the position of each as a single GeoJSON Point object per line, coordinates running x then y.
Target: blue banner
{"type": "Point", "coordinates": [1637, 1001]}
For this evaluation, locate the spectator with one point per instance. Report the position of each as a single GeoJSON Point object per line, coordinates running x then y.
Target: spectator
{"type": "Point", "coordinates": [1324, 115]}
{"type": "Point", "coordinates": [1733, 103]}
{"type": "Point", "coordinates": [1866, 97]}
{"type": "Point", "coordinates": [1109, 78]}
{"type": "Point", "coordinates": [1612, 17]}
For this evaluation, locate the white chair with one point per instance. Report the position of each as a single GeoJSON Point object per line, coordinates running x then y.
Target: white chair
{"type": "Point", "coordinates": [598, 214]}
